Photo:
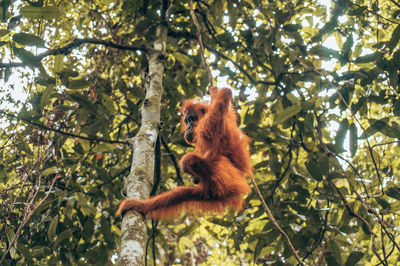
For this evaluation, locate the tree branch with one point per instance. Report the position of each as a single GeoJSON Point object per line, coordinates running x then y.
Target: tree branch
{"type": "Point", "coordinates": [137, 185]}
{"type": "Point", "coordinates": [275, 223]}
{"type": "Point", "coordinates": [78, 42]}
{"type": "Point", "coordinates": [200, 41]}
{"type": "Point", "coordinates": [12, 64]}
{"type": "Point", "coordinates": [63, 132]}
{"type": "Point", "coordinates": [75, 43]}
{"type": "Point", "coordinates": [173, 33]}
{"type": "Point", "coordinates": [350, 210]}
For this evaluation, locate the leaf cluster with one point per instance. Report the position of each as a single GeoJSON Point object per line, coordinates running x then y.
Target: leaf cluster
{"type": "Point", "coordinates": [316, 88]}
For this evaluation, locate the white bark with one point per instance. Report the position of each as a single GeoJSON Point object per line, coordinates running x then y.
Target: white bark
{"type": "Point", "coordinates": [139, 182]}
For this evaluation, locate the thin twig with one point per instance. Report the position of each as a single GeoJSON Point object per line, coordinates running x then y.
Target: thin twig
{"type": "Point", "coordinates": [274, 222]}
{"type": "Point", "coordinates": [154, 225]}
{"type": "Point", "coordinates": [366, 139]}
{"type": "Point", "coordinates": [373, 248]}
{"type": "Point", "coordinates": [113, 178]}
{"type": "Point", "coordinates": [381, 222]}
{"type": "Point", "coordinates": [394, 2]}
{"type": "Point", "coordinates": [200, 40]}
{"type": "Point", "coordinates": [252, 80]}
{"type": "Point", "coordinates": [383, 245]}
{"type": "Point", "coordinates": [322, 232]}
{"type": "Point", "coordinates": [329, 152]}
{"type": "Point", "coordinates": [372, 12]}
{"type": "Point", "coordinates": [28, 217]}
{"type": "Point", "coordinates": [175, 34]}
{"type": "Point", "coordinates": [350, 210]}
{"type": "Point", "coordinates": [173, 159]}
{"type": "Point", "coordinates": [385, 143]}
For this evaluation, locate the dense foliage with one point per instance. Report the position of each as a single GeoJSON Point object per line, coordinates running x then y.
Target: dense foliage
{"type": "Point", "coordinates": [317, 89]}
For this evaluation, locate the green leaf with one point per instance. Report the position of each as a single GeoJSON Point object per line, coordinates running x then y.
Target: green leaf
{"type": "Point", "coordinates": [314, 169]}
{"type": "Point", "coordinates": [331, 261]}
{"type": "Point", "coordinates": [335, 175]}
{"type": "Point", "coordinates": [393, 77]}
{"type": "Point", "coordinates": [355, 107]}
{"type": "Point", "coordinates": [105, 227]}
{"type": "Point", "coordinates": [368, 58]}
{"type": "Point", "coordinates": [323, 163]}
{"type": "Point", "coordinates": [394, 40]}
{"type": "Point", "coordinates": [84, 102]}
{"type": "Point", "coordinates": [26, 57]}
{"type": "Point", "coordinates": [378, 125]}
{"type": "Point", "coordinates": [390, 131]}
{"type": "Point", "coordinates": [341, 135]}
{"type": "Point", "coordinates": [278, 65]}
{"type": "Point", "coordinates": [10, 235]}
{"type": "Point", "coordinates": [384, 204]}
{"type": "Point", "coordinates": [184, 59]}
{"type": "Point", "coordinates": [315, 221]}
{"type": "Point", "coordinates": [28, 39]}
{"type": "Point", "coordinates": [63, 236]}
{"type": "Point", "coordinates": [346, 51]}
{"type": "Point", "coordinates": [260, 245]}
{"type": "Point", "coordinates": [328, 27]}
{"type": "Point", "coordinates": [3, 176]}
{"type": "Point", "coordinates": [274, 162]}
{"type": "Point", "coordinates": [25, 147]}
{"type": "Point", "coordinates": [51, 232]}
{"type": "Point", "coordinates": [88, 229]}
{"type": "Point", "coordinates": [292, 27]}
{"type": "Point", "coordinates": [324, 52]}
{"type": "Point", "coordinates": [333, 247]}
{"type": "Point", "coordinates": [383, 127]}
{"type": "Point", "coordinates": [371, 76]}
{"type": "Point", "coordinates": [45, 12]}
{"type": "Point", "coordinates": [59, 63]}
{"type": "Point", "coordinates": [353, 258]}
{"type": "Point", "coordinates": [184, 243]}
{"type": "Point", "coordinates": [368, 132]}
{"type": "Point", "coordinates": [286, 114]}
{"type": "Point", "coordinates": [353, 144]}
{"type": "Point", "coordinates": [309, 123]}
{"type": "Point", "coordinates": [49, 171]}
{"type": "Point", "coordinates": [394, 192]}
{"type": "Point", "coordinates": [3, 32]}
{"type": "Point", "coordinates": [396, 107]}
{"type": "Point", "coordinates": [23, 250]}
{"type": "Point", "coordinates": [76, 84]}
{"type": "Point", "coordinates": [347, 45]}
{"type": "Point", "coordinates": [104, 147]}
{"type": "Point", "coordinates": [46, 96]}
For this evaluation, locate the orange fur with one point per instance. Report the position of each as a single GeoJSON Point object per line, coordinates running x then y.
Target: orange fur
{"type": "Point", "coordinates": [219, 162]}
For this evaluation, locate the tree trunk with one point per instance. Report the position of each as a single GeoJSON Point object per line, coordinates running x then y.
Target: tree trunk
{"type": "Point", "coordinates": [140, 180]}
